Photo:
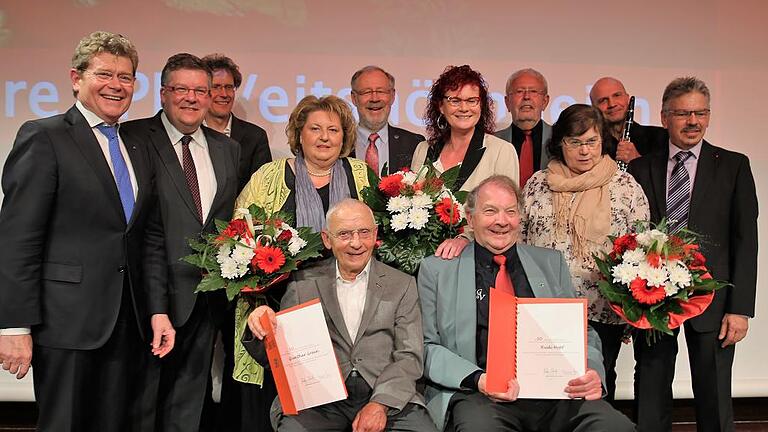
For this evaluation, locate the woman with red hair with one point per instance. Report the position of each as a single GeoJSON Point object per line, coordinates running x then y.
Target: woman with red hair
{"type": "Point", "coordinates": [460, 125]}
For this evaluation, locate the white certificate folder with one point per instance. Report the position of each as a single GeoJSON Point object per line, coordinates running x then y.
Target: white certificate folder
{"type": "Point", "coordinates": [302, 358]}
{"type": "Point", "coordinates": [548, 349]}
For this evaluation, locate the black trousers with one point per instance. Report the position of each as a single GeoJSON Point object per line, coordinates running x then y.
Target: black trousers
{"type": "Point", "coordinates": [475, 412]}
{"type": "Point", "coordinates": [177, 383]}
{"type": "Point", "coordinates": [611, 336]}
{"type": "Point", "coordinates": [710, 376]}
{"type": "Point", "coordinates": [91, 390]}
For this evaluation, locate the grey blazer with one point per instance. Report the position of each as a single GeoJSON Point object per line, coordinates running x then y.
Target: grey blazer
{"type": "Point", "coordinates": [388, 351]}
{"type": "Point", "coordinates": [447, 293]}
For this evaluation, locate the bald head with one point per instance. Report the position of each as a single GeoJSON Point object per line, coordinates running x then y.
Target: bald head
{"type": "Point", "coordinates": [610, 97]}
{"type": "Point", "coordinates": [350, 234]}
{"type": "Point", "coordinates": [348, 206]}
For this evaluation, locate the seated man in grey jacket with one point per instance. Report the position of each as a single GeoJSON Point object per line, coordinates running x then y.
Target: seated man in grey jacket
{"type": "Point", "coordinates": [374, 320]}
{"type": "Point", "coordinates": [455, 302]}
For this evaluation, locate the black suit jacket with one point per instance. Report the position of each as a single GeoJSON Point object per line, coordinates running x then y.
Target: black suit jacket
{"type": "Point", "coordinates": [402, 144]}
{"type": "Point", "coordinates": [723, 211]}
{"type": "Point", "coordinates": [68, 251]}
{"type": "Point", "coordinates": [170, 282]}
{"type": "Point", "coordinates": [254, 149]}
{"type": "Point", "coordinates": [647, 139]}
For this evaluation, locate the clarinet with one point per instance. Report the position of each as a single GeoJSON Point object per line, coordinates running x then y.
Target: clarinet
{"type": "Point", "coordinates": [627, 126]}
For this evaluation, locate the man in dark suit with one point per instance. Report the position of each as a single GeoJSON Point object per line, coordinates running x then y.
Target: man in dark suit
{"type": "Point", "coordinates": [455, 303]}
{"type": "Point", "coordinates": [710, 191]}
{"type": "Point", "coordinates": [527, 96]}
{"type": "Point", "coordinates": [254, 152]}
{"type": "Point", "coordinates": [374, 321]}
{"type": "Point", "coordinates": [254, 144]}
{"type": "Point", "coordinates": [378, 142]}
{"type": "Point", "coordinates": [196, 175]}
{"type": "Point", "coordinates": [78, 190]}
{"type": "Point", "coordinates": [610, 97]}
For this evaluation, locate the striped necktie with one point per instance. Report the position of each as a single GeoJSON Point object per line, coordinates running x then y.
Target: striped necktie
{"type": "Point", "coordinates": [679, 196]}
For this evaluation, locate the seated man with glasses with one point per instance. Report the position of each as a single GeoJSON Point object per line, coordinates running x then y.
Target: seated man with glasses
{"type": "Point", "coordinates": [375, 326]}
{"type": "Point", "coordinates": [527, 97]}
{"type": "Point", "coordinates": [378, 142]}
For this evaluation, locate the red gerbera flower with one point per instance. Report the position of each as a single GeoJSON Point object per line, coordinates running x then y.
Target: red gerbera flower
{"type": "Point", "coordinates": [447, 211]}
{"type": "Point", "coordinates": [646, 294]}
{"type": "Point", "coordinates": [268, 258]}
{"type": "Point", "coordinates": [391, 185]}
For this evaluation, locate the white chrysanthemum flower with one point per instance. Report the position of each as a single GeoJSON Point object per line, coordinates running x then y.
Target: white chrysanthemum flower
{"type": "Point", "coordinates": [242, 254]}
{"type": "Point", "coordinates": [229, 269]}
{"type": "Point", "coordinates": [421, 200]}
{"type": "Point", "coordinates": [634, 256]}
{"type": "Point", "coordinates": [654, 276]}
{"type": "Point", "coordinates": [670, 289]}
{"type": "Point", "coordinates": [409, 177]}
{"type": "Point", "coordinates": [296, 244]}
{"type": "Point", "coordinates": [624, 273]}
{"type": "Point", "coordinates": [399, 221]}
{"type": "Point", "coordinates": [223, 254]}
{"type": "Point", "coordinates": [679, 274]}
{"type": "Point", "coordinates": [398, 204]}
{"type": "Point", "coordinates": [418, 218]}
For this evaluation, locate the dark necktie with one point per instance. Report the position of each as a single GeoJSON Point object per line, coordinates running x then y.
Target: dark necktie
{"type": "Point", "coordinates": [191, 174]}
{"type": "Point", "coordinates": [122, 176]}
{"type": "Point", "coordinates": [526, 159]}
{"type": "Point", "coordinates": [372, 153]}
{"type": "Point", "coordinates": [503, 282]}
{"type": "Point", "coordinates": [679, 196]}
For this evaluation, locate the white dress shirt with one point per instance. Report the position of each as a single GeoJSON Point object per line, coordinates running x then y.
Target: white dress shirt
{"type": "Point", "coordinates": [351, 295]}
{"type": "Point", "coordinates": [206, 178]}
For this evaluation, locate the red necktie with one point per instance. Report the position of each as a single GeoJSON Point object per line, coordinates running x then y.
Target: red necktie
{"type": "Point", "coordinates": [526, 159]}
{"type": "Point", "coordinates": [503, 282]}
{"type": "Point", "coordinates": [372, 153]}
{"type": "Point", "coordinates": [191, 174]}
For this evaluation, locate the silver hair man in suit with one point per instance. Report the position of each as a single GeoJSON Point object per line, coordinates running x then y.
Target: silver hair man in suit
{"type": "Point", "coordinates": [375, 327]}
{"type": "Point", "coordinates": [527, 96]}
{"type": "Point", "coordinates": [455, 303]}
{"type": "Point", "coordinates": [196, 178]}
{"type": "Point", "coordinates": [379, 143]}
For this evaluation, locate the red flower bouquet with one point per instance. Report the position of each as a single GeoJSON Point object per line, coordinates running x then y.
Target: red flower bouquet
{"type": "Point", "coordinates": [655, 280]}
{"type": "Point", "coordinates": [415, 212]}
{"type": "Point", "coordinates": [252, 252]}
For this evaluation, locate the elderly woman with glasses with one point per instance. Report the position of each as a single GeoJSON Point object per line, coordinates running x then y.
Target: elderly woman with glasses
{"type": "Point", "coordinates": [460, 125]}
{"type": "Point", "coordinates": [575, 204]}
{"type": "Point", "coordinates": [321, 133]}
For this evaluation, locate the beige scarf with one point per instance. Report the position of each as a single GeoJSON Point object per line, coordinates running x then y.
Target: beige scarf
{"type": "Point", "coordinates": [584, 200]}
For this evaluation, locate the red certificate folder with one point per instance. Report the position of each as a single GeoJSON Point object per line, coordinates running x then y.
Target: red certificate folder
{"type": "Point", "coordinates": [291, 398]}
{"type": "Point", "coordinates": [503, 344]}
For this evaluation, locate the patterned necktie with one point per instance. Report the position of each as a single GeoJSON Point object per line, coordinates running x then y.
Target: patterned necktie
{"type": "Point", "coordinates": [679, 196]}
{"type": "Point", "coordinates": [122, 176]}
{"type": "Point", "coordinates": [191, 174]}
{"type": "Point", "coordinates": [503, 282]}
{"type": "Point", "coordinates": [372, 153]}
{"type": "Point", "coordinates": [526, 159]}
